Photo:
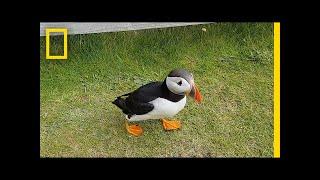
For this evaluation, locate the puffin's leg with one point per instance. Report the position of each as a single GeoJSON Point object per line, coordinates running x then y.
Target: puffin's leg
{"type": "Point", "coordinates": [170, 125]}
{"type": "Point", "coordinates": [133, 129]}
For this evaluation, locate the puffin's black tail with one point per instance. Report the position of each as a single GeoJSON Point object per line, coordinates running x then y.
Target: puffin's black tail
{"type": "Point", "coordinates": [120, 103]}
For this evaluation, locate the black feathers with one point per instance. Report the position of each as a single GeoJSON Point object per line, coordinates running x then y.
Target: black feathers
{"type": "Point", "coordinates": [120, 103]}
{"type": "Point", "coordinates": [137, 101]}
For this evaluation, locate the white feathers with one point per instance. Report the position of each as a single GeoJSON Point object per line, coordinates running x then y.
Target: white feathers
{"type": "Point", "coordinates": [177, 85]}
{"type": "Point", "coordinates": [163, 108]}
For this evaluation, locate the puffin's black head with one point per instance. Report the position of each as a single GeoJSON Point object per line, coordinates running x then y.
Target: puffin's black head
{"type": "Point", "coordinates": [180, 81]}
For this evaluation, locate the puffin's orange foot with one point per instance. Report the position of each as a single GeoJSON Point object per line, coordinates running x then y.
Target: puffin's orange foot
{"type": "Point", "coordinates": [170, 125]}
{"type": "Point", "coordinates": [134, 129]}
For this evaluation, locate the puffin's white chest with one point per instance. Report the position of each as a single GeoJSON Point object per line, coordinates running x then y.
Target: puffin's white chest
{"type": "Point", "coordinates": [163, 108]}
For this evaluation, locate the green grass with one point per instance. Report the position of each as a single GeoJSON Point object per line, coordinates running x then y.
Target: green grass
{"type": "Point", "coordinates": [232, 65]}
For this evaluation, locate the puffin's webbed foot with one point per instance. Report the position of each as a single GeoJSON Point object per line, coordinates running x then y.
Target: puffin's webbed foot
{"type": "Point", "coordinates": [133, 129]}
{"type": "Point", "coordinates": [170, 125]}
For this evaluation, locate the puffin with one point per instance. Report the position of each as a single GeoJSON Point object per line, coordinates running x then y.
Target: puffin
{"type": "Point", "coordinates": [158, 100]}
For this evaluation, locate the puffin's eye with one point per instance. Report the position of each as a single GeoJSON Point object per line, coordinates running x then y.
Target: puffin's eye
{"type": "Point", "coordinates": [180, 83]}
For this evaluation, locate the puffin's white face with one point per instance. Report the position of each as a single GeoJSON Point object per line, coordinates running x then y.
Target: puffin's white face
{"type": "Point", "coordinates": [178, 85]}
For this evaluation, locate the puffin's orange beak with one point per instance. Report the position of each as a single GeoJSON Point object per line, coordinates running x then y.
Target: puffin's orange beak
{"type": "Point", "coordinates": [195, 93]}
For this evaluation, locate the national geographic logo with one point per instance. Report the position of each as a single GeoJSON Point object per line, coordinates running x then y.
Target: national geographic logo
{"type": "Point", "coordinates": [65, 46]}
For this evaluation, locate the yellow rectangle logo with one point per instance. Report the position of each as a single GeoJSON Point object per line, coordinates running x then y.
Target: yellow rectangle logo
{"type": "Point", "coordinates": [65, 44]}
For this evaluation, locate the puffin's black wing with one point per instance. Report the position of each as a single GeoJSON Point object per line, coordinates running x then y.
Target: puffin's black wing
{"type": "Point", "coordinates": [138, 108]}
{"type": "Point", "coordinates": [138, 100]}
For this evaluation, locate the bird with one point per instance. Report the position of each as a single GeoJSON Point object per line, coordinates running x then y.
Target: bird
{"type": "Point", "coordinates": [158, 100]}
